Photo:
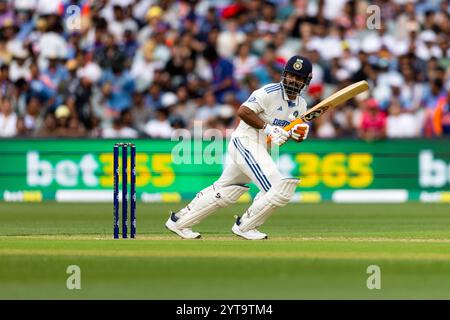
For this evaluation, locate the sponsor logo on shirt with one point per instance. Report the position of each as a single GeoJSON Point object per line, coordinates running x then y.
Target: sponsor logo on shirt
{"type": "Point", "coordinates": [280, 122]}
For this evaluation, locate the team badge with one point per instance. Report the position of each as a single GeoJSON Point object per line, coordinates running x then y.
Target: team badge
{"type": "Point", "coordinates": [298, 64]}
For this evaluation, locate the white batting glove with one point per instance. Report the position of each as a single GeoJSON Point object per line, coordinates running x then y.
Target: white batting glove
{"type": "Point", "coordinates": [299, 132]}
{"type": "Point", "coordinates": [277, 134]}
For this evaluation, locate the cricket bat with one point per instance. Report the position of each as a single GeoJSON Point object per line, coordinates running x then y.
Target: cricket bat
{"type": "Point", "coordinates": [332, 101]}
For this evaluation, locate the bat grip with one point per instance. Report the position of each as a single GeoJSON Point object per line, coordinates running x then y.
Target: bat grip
{"type": "Point", "coordinates": [292, 124]}
{"type": "Point", "coordinates": [288, 127]}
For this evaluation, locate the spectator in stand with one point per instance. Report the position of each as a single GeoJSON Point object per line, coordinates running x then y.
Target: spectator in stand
{"type": "Point", "coordinates": [33, 116]}
{"type": "Point", "coordinates": [144, 65]}
{"type": "Point", "coordinates": [268, 59]}
{"type": "Point", "coordinates": [229, 39]}
{"type": "Point", "coordinates": [5, 53]}
{"type": "Point", "coordinates": [48, 128]}
{"type": "Point", "coordinates": [20, 64]}
{"type": "Point", "coordinates": [209, 109]}
{"type": "Point", "coordinates": [140, 112]}
{"type": "Point", "coordinates": [268, 23]}
{"type": "Point", "coordinates": [154, 96]}
{"type": "Point", "coordinates": [159, 127]}
{"type": "Point", "coordinates": [40, 87]}
{"type": "Point", "coordinates": [400, 124]}
{"type": "Point", "coordinates": [118, 87]}
{"type": "Point", "coordinates": [22, 131]}
{"type": "Point", "coordinates": [127, 120]}
{"type": "Point", "coordinates": [325, 128]}
{"type": "Point", "coordinates": [161, 52]}
{"type": "Point", "coordinates": [6, 12]}
{"type": "Point", "coordinates": [222, 72]}
{"type": "Point", "coordinates": [245, 62]}
{"type": "Point", "coordinates": [209, 22]}
{"type": "Point", "coordinates": [121, 23]}
{"type": "Point", "coordinates": [185, 107]}
{"type": "Point", "coordinates": [6, 86]}
{"type": "Point", "coordinates": [8, 119]}
{"type": "Point", "coordinates": [441, 115]}
{"type": "Point", "coordinates": [433, 98]}
{"type": "Point", "coordinates": [19, 97]}
{"type": "Point", "coordinates": [394, 94]}
{"type": "Point", "coordinates": [248, 84]}
{"type": "Point", "coordinates": [8, 27]}
{"type": "Point", "coordinates": [373, 122]}
{"type": "Point", "coordinates": [169, 102]}
{"type": "Point", "coordinates": [67, 125]}
{"type": "Point", "coordinates": [81, 94]}
{"type": "Point", "coordinates": [130, 43]}
{"type": "Point", "coordinates": [411, 91]}
{"type": "Point", "coordinates": [121, 127]}
{"type": "Point", "coordinates": [96, 131]}
{"type": "Point", "coordinates": [154, 19]}
{"type": "Point", "coordinates": [56, 72]}
{"type": "Point", "coordinates": [156, 47]}
{"type": "Point", "coordinates": [226, 119]}
{"type": "Point", "coordinates": [109, 54]}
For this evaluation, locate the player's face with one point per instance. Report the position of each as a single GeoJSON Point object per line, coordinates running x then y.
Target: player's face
{"type": "Point", "coordinates": [293, 84]}
{"type": "Point", "coordinates": [294, 79]}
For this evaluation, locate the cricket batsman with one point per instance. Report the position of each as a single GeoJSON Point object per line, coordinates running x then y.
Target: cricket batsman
{"type": "Point", "coordinates": [263, 116]}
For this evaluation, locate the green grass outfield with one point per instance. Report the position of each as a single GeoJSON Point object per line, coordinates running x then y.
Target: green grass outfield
{"type": "Point", "coordinates": [315, 251]}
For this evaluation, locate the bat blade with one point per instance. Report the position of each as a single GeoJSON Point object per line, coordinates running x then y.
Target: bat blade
{"type": "Point", "coordinates": [332, 101]}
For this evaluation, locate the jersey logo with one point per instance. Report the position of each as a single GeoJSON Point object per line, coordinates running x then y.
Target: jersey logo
{"type": "Point", "coordinates": [280, 122]}
{"type": "Point", "coordinates": [251, 99]}
{"type": "Point", "coordinates": [280, 108]}
{"type": "Point", "coordinates": [296, 113]}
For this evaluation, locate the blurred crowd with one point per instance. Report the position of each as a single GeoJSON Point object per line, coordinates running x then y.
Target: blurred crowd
{"type": "Point", "coordinates": [127, 68]}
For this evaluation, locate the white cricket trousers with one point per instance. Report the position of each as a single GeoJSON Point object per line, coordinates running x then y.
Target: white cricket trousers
{"type": "Point", "coordinates": [249, 161]}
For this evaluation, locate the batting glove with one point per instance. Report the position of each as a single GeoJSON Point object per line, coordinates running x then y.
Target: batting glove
{"type": "Point", "coordinates": [299, 132]}
{"type": "Point", "coordinates": [277, 134]}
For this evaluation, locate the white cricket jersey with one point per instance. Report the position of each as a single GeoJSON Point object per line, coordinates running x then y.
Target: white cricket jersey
{"type": "Point", "coordinates": [273, 106]}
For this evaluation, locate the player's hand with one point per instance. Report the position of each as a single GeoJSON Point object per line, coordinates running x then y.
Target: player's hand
{"type": "Point", "coordinates": [277, 134]}
{"type": "Point", "coordinates": [299, 132]}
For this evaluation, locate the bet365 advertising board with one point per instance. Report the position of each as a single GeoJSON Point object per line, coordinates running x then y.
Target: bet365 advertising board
{"type": "Point", "coordinates": [170, 171]}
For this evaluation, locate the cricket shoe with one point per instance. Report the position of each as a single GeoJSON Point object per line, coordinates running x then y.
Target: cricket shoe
{"type": "Point", "coordinates": [185, 233]}
{"type": "Point", "coordinates": [250, 234]}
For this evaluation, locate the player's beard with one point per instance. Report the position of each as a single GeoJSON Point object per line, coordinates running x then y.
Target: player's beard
{"type": "Point", "coordinates": [292, 87]}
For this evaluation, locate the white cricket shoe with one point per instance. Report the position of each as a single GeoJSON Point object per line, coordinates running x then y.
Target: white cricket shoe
{"type": "Point", "coordinates": [185, 233]}
{"type": "Point", "coordinates": [250, 234]}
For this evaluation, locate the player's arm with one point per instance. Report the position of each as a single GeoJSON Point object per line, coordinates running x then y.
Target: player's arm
{"type": "Point", "coordinates": [250, 117]}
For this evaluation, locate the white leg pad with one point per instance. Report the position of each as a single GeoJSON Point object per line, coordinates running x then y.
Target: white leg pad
{"type": "Point", "coordinates": [206, 202]}
{"type": "Point", "coordinates": [261, 209]}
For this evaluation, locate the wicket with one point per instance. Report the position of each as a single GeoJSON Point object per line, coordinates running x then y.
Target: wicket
{"type": "Point", "coordinates": [124, 147]}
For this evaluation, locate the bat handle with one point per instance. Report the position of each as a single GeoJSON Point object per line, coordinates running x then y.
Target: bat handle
{"type": "Point", "coordinates": [288, 127]}
{"type": "Point", "coordinates": [292, 124]}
